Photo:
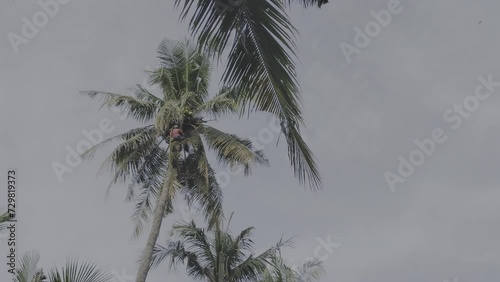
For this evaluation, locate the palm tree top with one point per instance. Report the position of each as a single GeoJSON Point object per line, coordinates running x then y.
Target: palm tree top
{"type": "Point", "coordinates": [216, 255]}
{"type": "Point", "coordinates": [142, 157]}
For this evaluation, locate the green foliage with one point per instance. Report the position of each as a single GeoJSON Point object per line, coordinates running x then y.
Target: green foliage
{"type": "Point", "coordinates": [141, 157]}
{"type": "Point", "coordinates": [73, 271]}
{"type": "Point", "coordinates": [216, 255]}
{"type": "Point", "coordinates": [4, 218]}
{"type": "Point", "coordinates": [260, 40]}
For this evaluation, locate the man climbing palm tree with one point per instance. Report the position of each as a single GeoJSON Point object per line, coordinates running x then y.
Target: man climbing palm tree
{"type": "Point", "coordinates": [157, 169]}
{"type": "Point", "coordinates": [176, 133]}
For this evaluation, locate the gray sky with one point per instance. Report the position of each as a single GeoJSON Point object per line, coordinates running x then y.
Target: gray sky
{"type": "Point", "coordinates": [440, 223]}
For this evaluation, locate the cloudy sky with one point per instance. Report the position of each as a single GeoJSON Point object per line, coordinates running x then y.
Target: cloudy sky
{"type": "Point", "coordinates": [363, 111]}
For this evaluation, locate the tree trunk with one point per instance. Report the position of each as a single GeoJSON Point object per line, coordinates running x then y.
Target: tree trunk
{"type": "Point", "coordinates": [168, 186]}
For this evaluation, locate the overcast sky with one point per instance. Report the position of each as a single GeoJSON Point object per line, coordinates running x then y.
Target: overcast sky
{"type": "Point", "coordinates": [442, 222]}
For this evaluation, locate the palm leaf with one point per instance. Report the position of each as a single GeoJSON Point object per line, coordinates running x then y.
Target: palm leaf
{"type": "Point", "coordinates": [4, 218]}
{"type": "Point", "coordinates": [202, 194]}
{"type": "Point", "coordinates": [311, 270]}
{"type": "Point", "coordinates": [300, 155]}
{"type": "Point", "coordinates": [28, 267]}
{"type": "Point", "coordinates": [148, 180]}
{"type": "Point", "coordinates": [232, 150]}
{"type": "Point", "coordinates": [142, 110]}
{"type": "Point", "coordinates": [259, 62]}
{"type": "Point", "coordinates": [76, 271]}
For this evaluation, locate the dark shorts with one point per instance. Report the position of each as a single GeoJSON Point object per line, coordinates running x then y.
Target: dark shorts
{"type": "Point", "coordinates": [180, 137]}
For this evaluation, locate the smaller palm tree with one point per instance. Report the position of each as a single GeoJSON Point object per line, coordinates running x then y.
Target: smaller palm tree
{"type": "Point", "coordinates": [73, 271]}
{"type": "Point", "coordinates": [218, 256]}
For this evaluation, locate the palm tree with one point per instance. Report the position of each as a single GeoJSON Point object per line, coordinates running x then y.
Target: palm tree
{"type": "Point", "coordinates": [260, 40]}
{"type": "Point", "coordinates": [218, 256]}
{"type": "Point", "coordinates": [279, 271]}
{"type": "Point", "coordinates": [73, 271]}
{"type": "Point", "coordinates": [160, 167]}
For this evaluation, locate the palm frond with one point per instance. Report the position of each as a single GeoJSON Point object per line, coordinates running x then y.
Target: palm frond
{"type": "Point", "coordinates": [200, 187]}
{"type": "Point", "coordinates": [126, 159]}
{"type": "Point", "coordinates": [171, 112]}
{"type": "Point", "coordinates": [142, 110]}
{"type": "Point", "coordinates": [76, 271]}
{"type": "Point", "coordinates": [148, 179]}
{"type": "Point", "coordinates": [260, 61]}
{"type": "Point", "coordinates": [311, 270]}
{"type": "Point", "coordinates": [232, 150]}
{"type": "Point", "coordinates": [123, 136]}
{"type": "Point", "coordinates": [227, 101]}
{"type": "Point", "coordinates": [28, 267]}
{"type": "Point", "coordinates": [143, 94]}
{"type": "Point", "coordinates": [301, 156]}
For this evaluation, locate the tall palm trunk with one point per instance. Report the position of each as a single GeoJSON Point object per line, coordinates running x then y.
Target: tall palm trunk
{"type": "Point", "coordinates": [166, 191]}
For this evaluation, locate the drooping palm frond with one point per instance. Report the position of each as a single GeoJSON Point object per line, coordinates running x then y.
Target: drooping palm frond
{"type": "Point", "coordinates": [311, 270]}
{"type": "Point", "coordinates": [148, 181]}
{"type": "Point", "coordinates": [4, 218]}
{"type": "Point", "coordinates": [120, 137]}
{"type": "Point", "coordinates": [260, 61]}
{"type": "Point", "coordinates": [189, 69]}
{"type": "Point", "coordinates": [144, 94]}
{"type": "Point", "coordinates": [301, 156]}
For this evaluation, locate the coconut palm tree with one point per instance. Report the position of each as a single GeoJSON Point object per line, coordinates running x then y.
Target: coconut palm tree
{"type": "Point", "coordinates": [216, 255]}
{"type": "Point", "coordinates": [259, 38]}
{"type": "Point", "coordinates": [160, 167]}
{"type": "Point", "coordinates": [73, 271]}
